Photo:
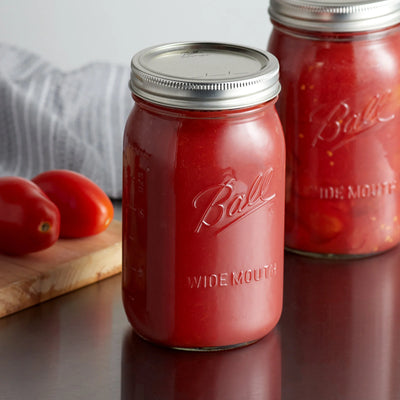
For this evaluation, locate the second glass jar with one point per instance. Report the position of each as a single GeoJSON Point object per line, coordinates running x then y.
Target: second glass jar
{"type": "Point", "coordinates": [340, 110]}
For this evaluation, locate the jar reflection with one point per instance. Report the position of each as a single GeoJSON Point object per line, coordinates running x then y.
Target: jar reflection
{"type": "Point", "coordinates": [152, 372]}
{"type": "Point", "coordinates": [340, 328]}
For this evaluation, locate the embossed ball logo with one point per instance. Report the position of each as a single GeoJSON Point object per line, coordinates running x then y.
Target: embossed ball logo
{"type": "Point", "coordinates": [341, 124]}
{"type": "Point", "coordinates": [223, 204]}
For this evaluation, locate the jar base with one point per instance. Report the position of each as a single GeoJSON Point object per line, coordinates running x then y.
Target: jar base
{"type": "Point", "coordinates": [214, 348]}
{"type": "Point", "coordinates": [333, 256]}
{"type": "Point", "coordinates": [198, 349]}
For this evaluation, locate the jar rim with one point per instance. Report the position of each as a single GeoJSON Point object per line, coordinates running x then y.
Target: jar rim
{"type": "Point", "coordinates": [336, 16]}
{"type": "Point", "coordinates": [205, 75]}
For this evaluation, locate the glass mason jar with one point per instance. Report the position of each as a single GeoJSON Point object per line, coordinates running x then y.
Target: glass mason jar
{"type": "Point", "coordinates": [203, 196]}
{"type": "Point", "coordinates": [340, 111]}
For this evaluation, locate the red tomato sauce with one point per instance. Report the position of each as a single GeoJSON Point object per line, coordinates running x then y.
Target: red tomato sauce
{"type": "Point", "coordinates": [203, 224]}
{"type": "Point", "coordinates": [340, 110]}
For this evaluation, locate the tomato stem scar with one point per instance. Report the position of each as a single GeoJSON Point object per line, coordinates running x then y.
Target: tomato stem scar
{"type": "Point", "coordinates": [44, 226]}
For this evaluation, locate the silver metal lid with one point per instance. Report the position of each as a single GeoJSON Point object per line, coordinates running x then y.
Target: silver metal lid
{"type": "Point", "coordinates": [336, 16]}
{"type": "Point", "coordinates": [205, 76]}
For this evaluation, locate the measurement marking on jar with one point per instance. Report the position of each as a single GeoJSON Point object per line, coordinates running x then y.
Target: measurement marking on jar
{"type": "Point", "coordinates": [140, 151]}
{"type": "Point", "coordinates": [236, 278]}
{"type": "Point", "coordinates": [352, 192]}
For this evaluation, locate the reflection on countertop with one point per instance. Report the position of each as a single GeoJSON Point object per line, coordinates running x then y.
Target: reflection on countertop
{"type": "Point", "coordinates": [153, 373]}
{"type": "Point", "coordinates": [341, 328]}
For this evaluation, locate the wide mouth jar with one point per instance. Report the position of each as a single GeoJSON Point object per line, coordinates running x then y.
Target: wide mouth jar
{"type": "Point", "coordinates": [204, 76]}
{"type": "Point", "coordinates": [336, 16]}
{"type": "Point", "coordinates": [203, 201]}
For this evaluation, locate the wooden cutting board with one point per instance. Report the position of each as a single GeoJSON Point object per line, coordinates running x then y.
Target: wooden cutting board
{"type": "Point", "coordinates": [68, 265]}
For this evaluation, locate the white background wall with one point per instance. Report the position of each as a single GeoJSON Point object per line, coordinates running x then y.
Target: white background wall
{"type": "Point", "coordinates": [71, 33]}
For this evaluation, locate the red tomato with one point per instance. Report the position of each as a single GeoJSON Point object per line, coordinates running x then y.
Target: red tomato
{"type": "Point", "coordinates": [29, 221]}
{"type": "Point", "coordinates": [85, 209]}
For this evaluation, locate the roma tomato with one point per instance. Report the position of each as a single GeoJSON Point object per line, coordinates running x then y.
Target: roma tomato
{"type": "Point", "coordinates": [29, 220]}
{"type": "Point", "coordinates": [84, 207]}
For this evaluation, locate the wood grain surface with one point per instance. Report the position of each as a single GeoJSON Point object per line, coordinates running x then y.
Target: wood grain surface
{"type": "Point", "coordinates": [68, 265]}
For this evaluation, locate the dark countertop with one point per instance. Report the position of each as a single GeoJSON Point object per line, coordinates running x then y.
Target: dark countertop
{"type": "Point", "coordinates": [338, 338]}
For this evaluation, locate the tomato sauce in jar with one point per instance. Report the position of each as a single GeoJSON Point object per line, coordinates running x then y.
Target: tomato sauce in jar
{"type": "Point", "coordinates": [203, 198]}
{"type": "Point", "coordinates": [340, 111]}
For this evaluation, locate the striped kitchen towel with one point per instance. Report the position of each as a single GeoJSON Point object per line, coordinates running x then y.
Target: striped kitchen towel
{"type": "Point", "coordinates": [50, 119]}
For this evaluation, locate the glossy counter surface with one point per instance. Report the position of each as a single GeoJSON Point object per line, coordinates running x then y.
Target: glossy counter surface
{"type": "Point", "coordinates": [338, 338]}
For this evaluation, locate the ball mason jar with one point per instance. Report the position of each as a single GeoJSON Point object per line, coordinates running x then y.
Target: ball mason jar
{"type": "Point", "coordinates": [203, 196]}
{"type": "Point", "coordinates": [340, 111]}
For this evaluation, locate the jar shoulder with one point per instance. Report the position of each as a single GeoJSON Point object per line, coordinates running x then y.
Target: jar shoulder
{"type": "Point", "coordinates": [247, 136]}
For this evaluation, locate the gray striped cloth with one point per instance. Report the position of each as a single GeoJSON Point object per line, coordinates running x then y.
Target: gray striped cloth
{"type": "Point", "coordinates": [51, 119]}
